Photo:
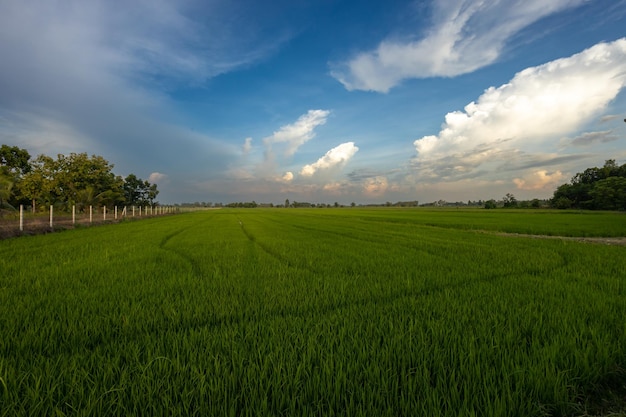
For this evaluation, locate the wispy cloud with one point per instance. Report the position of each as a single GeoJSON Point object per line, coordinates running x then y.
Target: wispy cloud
{"type": "Point", "coordinates": [92, 77]}
{"type": "Point", "coordinates": [247, 145]}
{"type": "Point", "coordinates": [516, 124]}
{"type": "Point", "coordinates": [296, 134]}
{"type": "Point", "coordinates": [465, 35]}
{"type": "Point", "coordinates": [334, 158]}
{"type": "Point", "coordinates": [589, 138]}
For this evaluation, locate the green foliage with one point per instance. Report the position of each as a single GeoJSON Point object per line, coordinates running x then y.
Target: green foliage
{"type": "Point", "coordinates": [13, 160]}
{"type": "Point", "coordinates": [594, 188]}
{"type": "Point", "coordinates": [138, 192]}
{"type": "Point", "coordinates": [75, 179]}
{"type": "Point", "coordinates": [490, 204]}
{"type": "Point", "coordinates": [609, 193]}
{"type": "Point", "coordinates": [509, 201]}
{"type": "Point", "coordinates": [6, 185]}
{"type": "Point", "coordinates": [313, 312]}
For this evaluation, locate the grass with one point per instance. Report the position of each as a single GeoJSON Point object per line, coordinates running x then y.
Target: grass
{"type": "Point", "coordinates": [315, 312]}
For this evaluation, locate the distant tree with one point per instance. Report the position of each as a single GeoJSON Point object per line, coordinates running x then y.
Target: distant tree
{"type": "Point", "coordinates": [287, 202]}
{"type": "Point", "coordinates": [490, 204]}
{"type": "Point", "coordinates": [336, 204]}
{"type": "Point", "coordinates": [509, 201]}
{"type": "Point", "coordinates": [138, 192]}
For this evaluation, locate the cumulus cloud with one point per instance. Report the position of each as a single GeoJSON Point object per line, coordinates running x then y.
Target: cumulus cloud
{"type": "Point", "coordinates": [287, 177]}
{"type": "Point", "coordinates": [375, 186]}
{"type": "Point", "coordinates": [336, 157]}
{"type": "Point", "coordinates": [157, 177]}
{"type": "Point", "coordinates": [296, 134]}
{"type": "Point", "coordinates": [539, 180]}
{"type": "Point", "coordinates": [465, 35]}
{"type": "Point", "coordinates": [518, 121]}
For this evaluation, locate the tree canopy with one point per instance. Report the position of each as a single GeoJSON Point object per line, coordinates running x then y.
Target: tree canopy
{"type": "Point", "coordinates": [75, 179]}
{"type": "Point", "coordinates": [595, 189]}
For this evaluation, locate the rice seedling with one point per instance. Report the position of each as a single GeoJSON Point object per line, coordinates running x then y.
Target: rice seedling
{"type": "Point", "coordinates": [314, 312]}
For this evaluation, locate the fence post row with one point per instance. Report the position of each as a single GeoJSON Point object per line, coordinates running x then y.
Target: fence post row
{"type": "Point", "coordinates": [145, 210]}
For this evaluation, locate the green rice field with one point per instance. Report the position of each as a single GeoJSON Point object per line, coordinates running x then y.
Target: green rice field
{"type": "Point", "coordinates": [317, 312]}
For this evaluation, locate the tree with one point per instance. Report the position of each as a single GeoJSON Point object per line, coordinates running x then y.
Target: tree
{"type": "Point", "coordinates": [73, 179]}
{"type": "Point", "coordinates": [14, 161]}
{"type": "Point", "coordinates": [139, 192]}
{"type": "Point", "coordinates": [594, 188]}
{"type": "Point", "coordinates": [6, 186]}
{"type": "Point", "coordinates": [490, 204]}
{"type": "Point", "coordinates": [287, 202]}
{"type": "Point", "coordinates": [609, 194]}
{"type": "Point", "coordinates": [76, 172]}
{"type": "Point", "coordinates": [36, 186]}
{"type": "Point", "coordinates": [509, 200]}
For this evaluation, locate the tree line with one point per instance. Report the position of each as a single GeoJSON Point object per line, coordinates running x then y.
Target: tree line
{"type": "Point", "coordinates": [594, 189]}
{"type": "Point", "coordinates": [69, 180]}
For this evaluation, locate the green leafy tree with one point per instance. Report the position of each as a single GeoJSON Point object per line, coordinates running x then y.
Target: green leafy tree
{"type": "Point", "coordinates": [6, 185]}
{"type": "Point", "coordinates": [609, 194]}
{"type": "Point", "coordinates": [73, 179]}
{"type": "Point", "coordinates": [509, 201]}
{"type": "Point", "coordinates": [14, 161]}
{"type": "Point", "coordinates": [594, 188]}
{"type": "Point", "coordinates": [138, 192]}
{"type": "Point", "coordinates": [77, 172]}
{"type": "Point", "coordinates": [37, 186]}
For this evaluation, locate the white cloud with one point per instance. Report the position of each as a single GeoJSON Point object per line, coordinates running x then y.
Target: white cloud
{"type": "Point", "coordinates": [513, 125]}
{"type": "Point", "coordinates": [157, 177]}
{"type": "Point", "coordinates": [540, 180]}
{"type": "Point", "coordinates": [589, 138]}
{"type": "Point", "coordinates": [247, 145]}
{"type": "Point", "coordinates": [375, 186]}
{"type": "Point", "coordinates": [287, 177]}
{"type": "Point", "coordinates": [296, 134]}
{"type": "Point", "coordinates": [466, 35]}
{"type": "Point", "coordinates": [336, 157]}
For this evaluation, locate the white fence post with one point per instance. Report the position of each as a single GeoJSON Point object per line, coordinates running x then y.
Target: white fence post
{"type": "Point", "coordinates": [73, 215]}
{"type": "Point", "coordinates": [133, 211]}
{"type": "Point", "coordinates": [115, 212]}
{"type": "Point", "coordinates": [21, 217]}
{"type": "Point", "coordinates": [90, 214]}
{"type": "Point", "coordinates": [51, 210]}
{"type": "Point", "coordinates": [104, 213]}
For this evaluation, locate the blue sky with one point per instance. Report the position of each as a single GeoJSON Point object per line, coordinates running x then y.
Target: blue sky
{"type": "Point", "coordinates": [324, 100]}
